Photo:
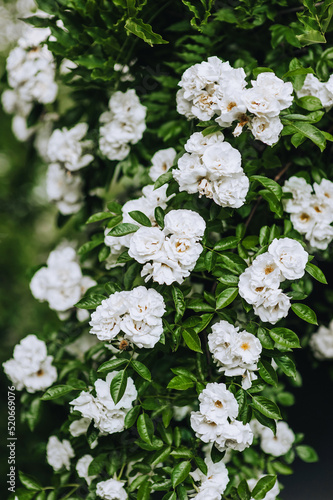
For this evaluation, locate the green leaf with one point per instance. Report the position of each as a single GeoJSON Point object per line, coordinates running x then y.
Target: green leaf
{"type": "Point", "coordinates": [227, 243]}
{"type": "Point", "coordinates": [226, 297]}
{"type": "Point", "coordinates": [269, 184]}
{"type": "Point", "coordinates": [287, 365]}
{"type": "Point", "coordinates": [180, 383]}
{"type": "Point", "coordinates": [123, 229]}
{"type": "Point", "coordinates": [192, 340]}
{"type": "Point", "coordinates": [182, 452]}
{"type": "Point", "coordinates": [267, 372]}
{"type": "Point", "coordinates": [144, 491]}
{"type": "Point", "coordinates": [310, 37]}
{"type": "Point", "coordinates": [180, 473]}
{"type": "Point", "coordinates": [163, 179]}
{"type": "Point", "coordinates": [264, 338]}
{"type": "Point", "coordinates": [201, 465]}
{"type": "Point", "coordinates": [57, 392]}
{"type": "Point", "coordinates": [145, 428]}
{"type": "Point", "coordinates": [267, 422]}
{"type": "Point", "coordinates": [118, 386]}
{"type": "Point", "coordinates": [29, 482]}
{"type": "Point", "coordinates": [243, 490]}
{"type": "Point", "coordinates": [111, 365]}
{"type": "Point", "coordinates": [266, 407]}
{"type": "Point", "coordinates": [311, 132]}
{"type": "Point", "coordinates": [307, 453]}
{"type": "Point", "coordinates": [91, 301]}
{"type": "Point", "coordinates": [140, 217]}
{"type": "Point", "coordinates": [228, 279]}
{"type": "Point", "coordinates": [144, 31]}
{"type": "Point", "coordinates": [97, 464]}
{"type": "Point", "coordinates": [159, 216]}
{"type": "Point", "coordinates": [216, 455]}
{"type": "Point", "coordinates": [114, 207]}
{"type": "Point", "coordinates": [179, 301]}
{"type": "Point", "coordinates": [184, 372]}
{"type": "Point", "coordinates": [131, 416]}
{"type": "Point", "coordinates": [264, 235]}
{"type": "Point", "coordinates": [285, 337]}
{"type": "Point", "coordinates": [98, 217]}
{"type": "Point", "coordinates": [263, 486]}
{"type": "Point", "coordinates": [90, 245]}
{"type": "Point", "coordinates": [304, 312]}
{"type": "Point", "coordinates": [160, 456]}
{"type": "Point", "coordinates": [274, 204]}
{"type": "Point", "coordinates": [309, 102]}
{"type": "Point", "coordinates": [141, 369]}
{"type": "Point", "coordinates": [316, 273]}
{"type": "Point", "coordinates": [167, 416]}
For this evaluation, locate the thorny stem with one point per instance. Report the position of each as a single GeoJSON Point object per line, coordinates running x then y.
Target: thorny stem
{"type": "Point", "coordinates": [276, 178]}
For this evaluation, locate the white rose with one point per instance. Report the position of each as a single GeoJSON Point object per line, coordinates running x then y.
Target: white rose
{"type": "Point", "coordinates": [184, 223]}
{"type": "Point", "coordinates": [218, 404]}
{"type": "Point", "coordinates": [79, 427]}
{"type": "Point", "coordinates": [324, 191]}
{"type": "Point", "coordinates": [304, 220]}
{"type": "Point", "coordinates": [198, 142]}
{"type": "Point", "coordinates": [183, 250]}
{"type": "Point", "coordinates": [82, 467]}
{"type": "Point", "coordinates": [146, 244]}
{"type": "Point", "coordinates": [86, 404]}
{"type": "Point", "coordinates": [59, 453]}
{"type": "Point", "coordinates": [162, 161]}
{"type": "Point", "coordinates": [189, 173]}
{"type": "Point", "coordinates": [275, 307]}
{"type": "Point", "coordinates": [112, 489]}
{"type": "Point", "coordinates": [266, 130]}
{"type": "Point", "coordinates": [301, 194]}
{"type": "Point", "coordinates": [320, 235]}
{"type": "Point", "coordinates": [275, 88]}
{"type": "Point", "coordinates": [103, 394]}
{"type": "Point", "coordinates": [234, 435]}
{"type": "Point", "coordinates": [279, 444]}
{"type": "Point", "coordinates": [222, 159]}
{"type": "Point", "coordinates": [140, 333]}
{"type": "Point", "coordinates": [204, 429]}
{"type": "Point", "coordinates": [231, 191]}
{"type": "Point", "coordinates": [105, 321]}
{"type": "Point", "coordinates": [260, 103]}
{"type": "Point", "coordinates": [265, 271]}
{"type": "Point", "coordinates": [146, 305]}
{"type": "Point", "coordinates": [290, 257]}
{"type": "Point", "coordinates": [164, 273]}
{"type": "Point", "coordinates": [321, 342]}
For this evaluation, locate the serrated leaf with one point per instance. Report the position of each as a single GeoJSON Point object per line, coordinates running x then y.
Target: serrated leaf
{"type": "Point", "coordinates": [226, 297]}
{"type": "Point", "coordinates": [118, 386]}
{"type": "Point", "coordinates": [145, 428]}
{"type": "Point", "coordinates": [266, 407]}
{"type": "Point", "coordinates": [123, 229]}
{"type": "Point", "coordinates": [180, 473]}
{"type": "Point", "coordinates": [304, 312]}
{"type": "Point", "coordinates": [111, 365]}
{"type": "Point", "coordinates": [144, 31]}
{"type": "Point", "coordinates": [311, 132]}
{"type": "Point", "coordinates": [140, 217]}
{"type": "Point", "coordinates": [285, 337]}
{"type": "Point", "coordinates": [141, 369]}
{"type": "Point", "coordinates": [316, 273]}
{"type": "Point", "coordinates": [192, 340]}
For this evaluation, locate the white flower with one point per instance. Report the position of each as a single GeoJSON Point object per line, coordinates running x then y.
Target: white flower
{"type": "Point", "coordinates": [198, 142]}
{"type": "Point", "coordinates": [67, 147]}
{"type": "Point", "coordinates": [323, 91]}
{"type": "Point", "coordinates": [218, 404]}
{"type": "Point", "coordinates": [289, 256]}
{"type": "Point", "coordinates": [222, 159]}
{"type": "Point", "coordinates": [162, 161]}
{"type": "Point", "coordinates": [231, 191]}
{"type": "Point", "coordinates": [275, 88]}
{"type": "Point", "coordinates": [271, 494]}
{"type": "Point", "coordinates": [214, 483]}
{"type": "Point", "coordinates": [234, 435]}
{"type": "Point", "coordinates": [186, 223]}
{"type": "Point", "coordinates": [140, 333]}
{"type": "Point", "coordinates": [146, 244]}
{"type": "Point", "coordinates": [258, 281]}
{"type": "Point", "coordinates": [31, 368]}
{"type": "Point", "coordinates": [261, 104]}
{"type": "Point", "coordinates": [279, 444]}
{"type": "Point", "coordinates": [231, 106]}
{"type": "Point", "coordinates": [301, 194]}
{"type": "Point", "coordinates": [275, 306]}
{"type": "Point", "coordinates": [59, 453]}
{"type": "Point", "coordinates": [204, 429]}
{"type": "Point", "coordinates": [124, 124]}
{"type": "Point", "coordinates": [320, 236]}
{"type": "Point", "coordinates": [103, 394]}
{"type": "Point", "coordinates": [112, 489]}
{"type": "Point", "coordinates": [86, 404]}
{"type": "Point", "coordinates": [189, 173]}
{"type": "Point", "coordinates": [164, 273]}
{"type": "Point", "coordinates": [304, 220]}
{"type": "Point", "coordinates": [321, 342]}
{"type": "Point", "coordinates": [183, 250]}
{"type": "Point", "coordinates": [266, 130]}
{"type": "Point", "coordinates": [105, 321]}
{"type": "Point", "coordinates": [82, 467]}
{"type": "Point", "coordinates": [79, 427]}
{"type": "Point", "coordinates": [64, 188]}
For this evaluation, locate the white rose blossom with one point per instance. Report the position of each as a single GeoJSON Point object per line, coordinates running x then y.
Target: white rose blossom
{"type": "Point", "coordinates": [82, 467]}
{"type": "Point", "coordinates": [214, 483]}
{"type": "Point", "coordinates": [31, 368]}
{"type": "Point", "coordinates": [279, 444]}
{"type": "Point", "coordinates": [59, 453]}
{"type": "Point", "coordinates": [67, 147]}
{"type": "Point", "coordinates": [162, 161]}
{"type": "Point", "coordinates": [112, 489]}
{"type": "Point", "coordinates": [321, 342]}
{"type": "Point", "coordinates": [64, 188]}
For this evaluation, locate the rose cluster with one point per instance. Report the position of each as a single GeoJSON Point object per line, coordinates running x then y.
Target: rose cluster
{"type": "Point", "coordinates": [138, 314]}
{"type": "Point", "coordinates": [321, 342]}
{"type": "Point", "coordinates": [31, 76]}
{"type": "Point", "coordinates": [61, 282]}
{"type": "Point", "coordinates": [212, 168]}
{"type": "Point", "coordinates": [235, 352]}
{"type": "Point", "coordinates": [147, 203]}
{"type": "Point", "coordinates": [311, 214]}
{"type": "Point", "coordinates": [214, 483]}
{"type": "Point", "coordinates": [259, 284]}
{"type": "Point", "coordinates": [170, 254]}
{"type": "Point", "coordinates": [214, 88]}
{"type": "Point", "coordinates": [216, 421]}
{"type": "Point", "coordinates": [107, 416]}
{"type": "Point", "coordinates": [323, 90]}
{"type": "Point", "coordinates": [31, 368]}
{"type": "Point", "coordinates": [123, 125]}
